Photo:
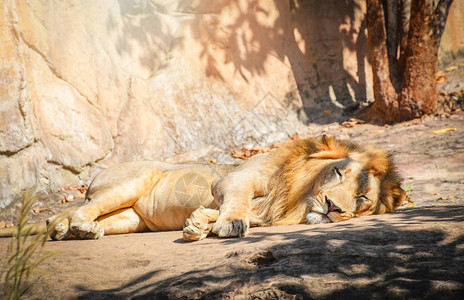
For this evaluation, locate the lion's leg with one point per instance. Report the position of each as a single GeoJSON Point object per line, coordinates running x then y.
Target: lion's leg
{"type": "Point", "coordinates": [115, 188]}
{"type": "Point", "coordinates": [234, 196]}
{"type": "Point", "coordinates": [122, 221]}
{"type": "Point", "coordinates": [200, 223]}
{"type": "Point", "coordinates": [233, 220]}
{"type": "Point", "coordinates": [234, 193]}
{"type": "Point", "coordinates": [84, 223]}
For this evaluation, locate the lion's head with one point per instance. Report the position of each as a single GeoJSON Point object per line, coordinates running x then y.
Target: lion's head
{"type": "Point", "coordinates": [322, 181]}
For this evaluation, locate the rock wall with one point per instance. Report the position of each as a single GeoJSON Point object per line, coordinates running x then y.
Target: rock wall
{"type": "Point", "coordinates": [87, 84]}
{"type": "Point", "coordinates": [452, 41]}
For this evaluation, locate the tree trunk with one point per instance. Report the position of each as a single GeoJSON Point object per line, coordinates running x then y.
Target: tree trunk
{"type": "Point", "coordinates": [419, 92]}
{"type": "Point", "coordinates": [404, 80]}
{"type": "Point", "coordinates": [386, 99]}
{"type": "Point", "coordinates": [391, 20]}
{"type": "Point", "coordinates": [404, 11]}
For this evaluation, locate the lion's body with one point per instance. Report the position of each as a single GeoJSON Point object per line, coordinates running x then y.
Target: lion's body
{"type": "Point", "coordinates": [299, 182]}
{"type": "Point", "coordinates": [163, 195]}
{"type": "Point", "coordinates": [147, 196]}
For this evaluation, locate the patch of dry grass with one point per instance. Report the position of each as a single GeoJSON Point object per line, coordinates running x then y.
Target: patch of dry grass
{"type": "Point", "coordinates": [24, 253]}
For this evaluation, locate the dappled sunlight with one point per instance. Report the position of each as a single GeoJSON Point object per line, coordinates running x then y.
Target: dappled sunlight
{"type": "Point", "coordinates": [143, 31]}
{"type": "Point", "coordinates": [323, 48]}
{"type": "Point", "coordinates": [377, 256]}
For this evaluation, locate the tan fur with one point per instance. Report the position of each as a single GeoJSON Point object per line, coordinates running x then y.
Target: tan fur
{"type": "Point", "coordinates": [303, 163]}
{"type": "Point", "coordinates": [303, 181]}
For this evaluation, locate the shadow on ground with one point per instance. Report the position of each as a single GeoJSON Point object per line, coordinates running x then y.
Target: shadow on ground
{"type": "Point", "coordinates": [382, 260]}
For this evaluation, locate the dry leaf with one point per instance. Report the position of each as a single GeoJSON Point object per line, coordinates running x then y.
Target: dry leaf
{"type": "Point", "coordinates": [451, 68]}
{"type": "Point", "coordinates": [451, 197]}
{"type": "Point", "coordinates": [440, 198]}
{"type": "Point", "coordinates": [328, 111]}
{"type": "Point", "coordinates": [248, 153]}
{"type": "Point", "coordinates": [351, 122]}
{"type": "Point", "coordinates": [377, 131]}
{"type": "Point", "coordinates": [295, 136]}
{"type": "Point", "coordinates": [2, 224]}
{"type": "Point", "coordinates": [9, 225]}
{"type": "Point", "coordinates": [410, 205]}
{"type": "Point", "coordinates": [83, 188]}
{"type": "Point", "coordinates": [444, 130]}
{"type": "Point", "coordinates": [441, 77]}
{"type": "Point", "coordinates": [67, 198]}
{"type": "Point", "coordinates": [434, 194]}
{"type": "Point", "coordinates": [39, 209]}
{"type": "Point", "coordinates": [238, 154]}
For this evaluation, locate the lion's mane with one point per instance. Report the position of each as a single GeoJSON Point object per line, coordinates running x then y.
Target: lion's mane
{"type": "Point", "coordinates": [299, 165]}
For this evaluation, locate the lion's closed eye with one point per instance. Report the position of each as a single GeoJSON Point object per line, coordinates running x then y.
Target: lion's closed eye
{"type": "Point", "coordinates": [338, 173]}
{"type": "Point", "coordinates": [363, 203]}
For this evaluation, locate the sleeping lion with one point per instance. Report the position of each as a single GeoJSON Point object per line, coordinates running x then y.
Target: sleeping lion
{"type": "Point", "coordinates": [304, 181]}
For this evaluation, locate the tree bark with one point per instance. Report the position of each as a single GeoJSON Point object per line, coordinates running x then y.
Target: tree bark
{"type": "Point", "coordinates": [404, 11]}
{"type": "Point", "coordinates": [411, 71]}
{"type": "Point", "coordinates": [391, 20]}
{"type": "Point", "coordinates": [419, 93]}
{"type": "Point", "coordinates": [386, 101]}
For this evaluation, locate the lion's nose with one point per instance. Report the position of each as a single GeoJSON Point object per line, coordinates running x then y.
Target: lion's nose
{"type": "Point", "coordinates": [331, 207]}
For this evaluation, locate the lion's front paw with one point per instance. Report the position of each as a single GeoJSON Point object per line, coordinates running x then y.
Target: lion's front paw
{"type": "Point", "coordinates": [199, 224]}
{"type": "Point", "coordinates": [231, 228]}
{"type": "Point", "coordinates": [59, 230]}
{"type": "Point", "coordinates": [86, 230]}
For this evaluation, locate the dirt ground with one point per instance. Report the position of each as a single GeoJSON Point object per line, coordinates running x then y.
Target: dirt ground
{"type": "Point", "coordinates": [416, 252]}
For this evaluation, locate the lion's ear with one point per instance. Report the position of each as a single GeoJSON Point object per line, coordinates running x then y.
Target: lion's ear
{"type": "Point", "coordinates": [378, 162]}
{"type": "Point", "coordinates": [328, 142]}
{"type": "Point", "coordinates": [399, 195]}
{"type": "Point", "coordinates": [392, 199]}
{"type": "Point", "coordinates": [329, 148]}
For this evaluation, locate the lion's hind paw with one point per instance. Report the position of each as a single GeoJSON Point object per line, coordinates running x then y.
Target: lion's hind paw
{"type": "Point", "coordinates": [198, 226]}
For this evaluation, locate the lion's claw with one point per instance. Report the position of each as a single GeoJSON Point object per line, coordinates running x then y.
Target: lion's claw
{"type": "Point", "coordinates": [60, 230]}
{"type": "Point", "coordinates": [233, 228]}
{"type": "Point", "coordinates": [91, 230]}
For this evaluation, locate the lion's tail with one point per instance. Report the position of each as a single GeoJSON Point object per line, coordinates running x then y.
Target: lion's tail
{"type": "Point", "coordinates": [30, 229]}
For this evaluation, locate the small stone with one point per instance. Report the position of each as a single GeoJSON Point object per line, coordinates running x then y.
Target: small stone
{"type": "Point", "coordinates": [261, 258]}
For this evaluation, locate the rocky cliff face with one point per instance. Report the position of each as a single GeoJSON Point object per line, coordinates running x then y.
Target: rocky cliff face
{"type": "Point", "coordinates": [88, 84]}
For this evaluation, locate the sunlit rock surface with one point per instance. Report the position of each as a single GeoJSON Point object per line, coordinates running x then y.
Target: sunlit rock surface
{"type": "Point", "coordinates": [87, 84]}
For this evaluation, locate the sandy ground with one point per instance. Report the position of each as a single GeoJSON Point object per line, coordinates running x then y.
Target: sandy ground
{"type": "Point", "coordinates": [416, 252]}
